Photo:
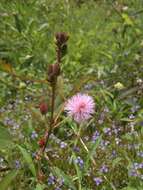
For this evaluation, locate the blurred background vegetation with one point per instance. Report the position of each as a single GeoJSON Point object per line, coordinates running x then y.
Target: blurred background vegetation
{"type": "Point", "coordinates": [105, 36]}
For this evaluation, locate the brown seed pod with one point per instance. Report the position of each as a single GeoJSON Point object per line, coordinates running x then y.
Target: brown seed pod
{"type": "Point", "coordinates": [53, 72]}
{"type": "Point", "coordinates": [61, 38]}
{"type": "Point", "coordinates": [43, 108]}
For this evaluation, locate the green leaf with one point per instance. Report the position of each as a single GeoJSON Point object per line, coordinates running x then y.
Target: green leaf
{"type": "Point", "coordinates": [92, 151]}
{"type": "Point", "coordinates": [5, 182]}
{"type": "Point", "coordinates": [127, 93]}
{"type": "Point", "coordinates": [5, 138]}
{"type": "Point", "coordinates": [106, 54]}
{"type": "Point", "coordinates": [28, 160]}
{"type": "Point", "coordinates": [131, 188]}
{"type": "Point", "coordinates": [67, 180]}
{"type": "Point", "coordinates": [40, 187]}
{"type": "Point", "coordinates": [116, 161]}
{"type": "Point", "coordinates": [127, 19]}
{"type": "Point", "coordinates": [78, 171]}
{"type": "Point", "coordinates": [94, 146]}
{"type": "Point", "coordinates": [18, 23]}
{"type": "Point", "coordinates": [110, 182]}
{"type": "Point", "coordinates": [127, 137]}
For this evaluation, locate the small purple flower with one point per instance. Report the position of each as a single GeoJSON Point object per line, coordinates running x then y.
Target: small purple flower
{"type": "Point", "coordinates": [95, 136]}
{"type": "Point", "coordinates": [76, 149]}
{"type": "Point", "coordinates": [114, 153]}
{"type": "Point", "coordinates": [104, 144]}
{"type": "Point", "coordinates": [107, 131]}
{"type": "Point", "coordinates": [51, 180]}
{"type": "Point", "coordinates": [140, 166]}
{"type": "Point", "coordinates": [63, 144]}
{"type": "Point", "coordinates": [133, 173]}
{"type": "Point", "coordinates": [8, 121]}
{"type": "Point", "coordinates": [135, 165]}
{"type": "Point", "coordinates": [131, 116]}
{"type": "Point", "coordinates": [97, 180]}
{"type": "Point", "coordinates": [104, 169]}
{"type": "Point", "coordinates": [34, 135]}
{"type": "Point", "coordinates": [17, 164]}
{"type": "Point", "coordinates": [140, 154]}
{"type": "Point", "coordinates": [79, 161]}
{"type": "Point", "coordinates": [16, 126]}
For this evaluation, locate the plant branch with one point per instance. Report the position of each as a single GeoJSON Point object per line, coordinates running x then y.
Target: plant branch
{"type": "Point", "coordinates": [23, 78]}
{"type": "Point", "coordinates": [49, 130]}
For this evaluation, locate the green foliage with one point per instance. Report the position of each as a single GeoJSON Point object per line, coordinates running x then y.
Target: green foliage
{"type": "Point", "coordinates": [8, 179]}
{"type": "Point", "coordinates": [5, 138]}
{"type": "Point", "coordinates": [40, 187]}
{"type": "Point", "coordinates": [105, 60]}
{"type": "Point", "coordinates": [68, 181]}
{"type": "Point", "coordinates": [28, 160]}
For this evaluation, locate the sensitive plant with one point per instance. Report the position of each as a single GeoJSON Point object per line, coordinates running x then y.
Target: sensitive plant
{"type": "Point", "coordinates": [80, 107]}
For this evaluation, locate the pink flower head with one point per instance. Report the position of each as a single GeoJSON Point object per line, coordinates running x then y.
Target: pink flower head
{"type": "Point", "coordinates": [80, 107]}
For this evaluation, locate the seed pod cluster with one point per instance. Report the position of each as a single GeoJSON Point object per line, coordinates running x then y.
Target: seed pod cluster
{"type": "Point", "coordinates": [53, 72]}
{"type": "Point", "coordinates": [61, 48]}
{"type": "Point", "coordinates": [61, 38]}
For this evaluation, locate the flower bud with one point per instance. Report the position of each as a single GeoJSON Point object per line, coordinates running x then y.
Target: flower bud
{"type": "Point", "coordinates": [41, 142]}
{"type": "Point", "coordinates": [43, 108]}
{"type": "Point", "coordinates": [119, 86]}
{"type": "Point", "coordinates": [61, 38]}
{"type": "Point", "coordinates": [53, 72]}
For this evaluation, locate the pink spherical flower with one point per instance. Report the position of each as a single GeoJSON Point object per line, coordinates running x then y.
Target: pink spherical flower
{"type": "Point", "coordinates": [80, 107]}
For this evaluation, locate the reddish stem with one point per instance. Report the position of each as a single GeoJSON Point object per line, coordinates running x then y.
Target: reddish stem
{"type": "Point", "coordinates": [49, 131]}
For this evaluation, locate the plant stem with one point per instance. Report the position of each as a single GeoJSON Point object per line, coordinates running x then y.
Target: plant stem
{"type": "Point", "coordinates": [58, 50]}
{"type": "Point", "coordinates": [49, 131]}
{"type": "Point", "coordinates": [78, 134]}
